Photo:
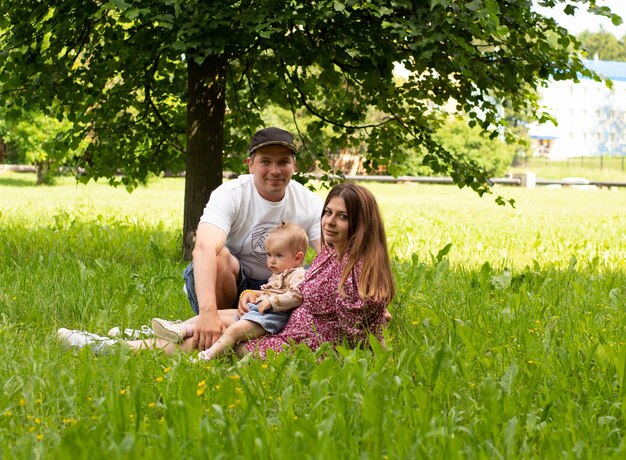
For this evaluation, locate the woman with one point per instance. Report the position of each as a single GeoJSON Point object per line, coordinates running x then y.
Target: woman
{"type": "Point", "coordinates": [354, 259]}
{"type": "Point", "coordinates": [345, 292]}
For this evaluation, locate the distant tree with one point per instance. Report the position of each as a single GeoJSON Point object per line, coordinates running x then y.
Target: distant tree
{"type": "Point", "coordinates": [162, 83]}
{"type": "Point", "coordinates": [603, 45]}
{"type": "Point", "coordinates": [37, 139]}
{"type": "Point", "coordinates": [467, 144]}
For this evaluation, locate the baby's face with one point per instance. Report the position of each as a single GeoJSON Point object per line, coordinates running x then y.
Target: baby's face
{"type": "Point", "coordinates": [280, 256]}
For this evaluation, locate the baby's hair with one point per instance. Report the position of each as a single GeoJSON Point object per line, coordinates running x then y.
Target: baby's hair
{"type": "Point", "coordinates": [292, 234]}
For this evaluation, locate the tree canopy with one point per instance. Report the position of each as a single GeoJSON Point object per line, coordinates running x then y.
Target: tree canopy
{"type": "Point", "coordinates": [158, 84]}
{"type": "Point", "coordinates": [603, 45]}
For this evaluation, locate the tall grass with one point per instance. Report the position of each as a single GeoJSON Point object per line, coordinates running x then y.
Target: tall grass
{"type": "Point", "coordinates": [507, 339]}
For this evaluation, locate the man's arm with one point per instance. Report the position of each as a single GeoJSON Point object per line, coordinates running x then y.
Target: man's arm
{"type": "Point", "coordinates": [210, 241]}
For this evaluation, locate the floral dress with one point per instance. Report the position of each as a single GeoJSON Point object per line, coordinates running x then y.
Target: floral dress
{"type": "Point", "coordinates": [326, 315]}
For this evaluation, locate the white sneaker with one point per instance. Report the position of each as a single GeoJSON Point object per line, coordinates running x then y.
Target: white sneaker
{"type": "Point", "coordinates": [131, 334]}
{"type": "Point", "coordinates": [168, 330]}
{"type": "Point", "coordinates": [79, 339]}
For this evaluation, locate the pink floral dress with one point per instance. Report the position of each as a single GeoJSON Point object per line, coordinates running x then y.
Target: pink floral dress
{"type": "Point", "coordinates": [326, 315]}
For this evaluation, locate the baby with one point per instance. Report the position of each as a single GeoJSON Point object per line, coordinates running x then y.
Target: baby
{"type": "Point", "coordinates": [286, 247]}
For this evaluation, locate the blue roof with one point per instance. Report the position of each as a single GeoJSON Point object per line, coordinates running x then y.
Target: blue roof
{"type": "Point", "coordinates": [612, 70]}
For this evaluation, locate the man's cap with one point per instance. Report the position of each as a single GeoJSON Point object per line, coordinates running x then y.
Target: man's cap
{"type": "Point", "coordinates": [271, 136]}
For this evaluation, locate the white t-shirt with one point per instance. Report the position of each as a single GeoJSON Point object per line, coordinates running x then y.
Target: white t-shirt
{"type": "Point", "coordinates": [237, 208]}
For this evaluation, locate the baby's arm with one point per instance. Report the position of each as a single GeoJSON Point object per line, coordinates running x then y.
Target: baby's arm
{"type": "Point", "coordinates": [264, 304]}
{"type": "Point", "coordinates": [291, 297]}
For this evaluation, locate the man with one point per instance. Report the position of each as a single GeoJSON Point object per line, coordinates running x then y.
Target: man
{"type": "Point", "coordinates": [229, 254]}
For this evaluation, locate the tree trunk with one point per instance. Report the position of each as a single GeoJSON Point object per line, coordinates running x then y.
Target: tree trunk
{"type": "Point", "coordinates": [42, 168]}
{"type": "Point", "coordinates": [205, 140]}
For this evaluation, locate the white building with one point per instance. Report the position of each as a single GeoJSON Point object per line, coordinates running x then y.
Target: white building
{"type": "Point", "coordinates": [591, 117]}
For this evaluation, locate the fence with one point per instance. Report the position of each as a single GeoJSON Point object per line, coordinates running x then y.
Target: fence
{"type": "Point", "coordinates": [602, 162]}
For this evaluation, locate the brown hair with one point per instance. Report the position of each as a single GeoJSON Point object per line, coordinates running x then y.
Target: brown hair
{"type": "Point", "coordinates": [366, 243]}
{"type": "Point", "coordinates": [292, 234]}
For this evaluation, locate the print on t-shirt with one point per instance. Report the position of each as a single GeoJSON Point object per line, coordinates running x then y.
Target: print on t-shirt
{"type": "Point", "coordinates": [256, 251]}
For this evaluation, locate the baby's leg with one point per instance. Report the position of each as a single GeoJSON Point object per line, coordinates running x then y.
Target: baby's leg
{"type": "Point", "coordinates": [240, 331]}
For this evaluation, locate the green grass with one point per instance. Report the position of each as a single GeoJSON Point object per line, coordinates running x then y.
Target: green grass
{"type": "Point", "coordinates": [607, 169]}
{"type": "Point", "coordinates": [508, 337]}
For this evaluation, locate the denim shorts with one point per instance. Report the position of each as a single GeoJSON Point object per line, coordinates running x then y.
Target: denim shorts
{"type": "Point", "coordinates": [272, 322]}
{"type": "Point", "coordinates": [243, 284]}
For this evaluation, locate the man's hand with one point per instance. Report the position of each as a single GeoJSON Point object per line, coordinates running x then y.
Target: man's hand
{"type": "Point", "coordinates": [264, 306]}
{"type": "Point", "coordinates": [207, 330]}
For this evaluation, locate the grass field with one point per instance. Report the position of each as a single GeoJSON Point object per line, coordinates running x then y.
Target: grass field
{"type": "Point", "coordinates": [604, 169]}
{"type": "Point", "coordinates": [508, 337]}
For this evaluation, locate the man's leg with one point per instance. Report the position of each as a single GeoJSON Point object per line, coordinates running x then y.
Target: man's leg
{"type": "Point", "coordinates": [228, 274]}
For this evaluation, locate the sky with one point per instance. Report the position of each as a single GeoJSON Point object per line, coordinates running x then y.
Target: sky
{"type": "Point", "coordinates": [585, 21]}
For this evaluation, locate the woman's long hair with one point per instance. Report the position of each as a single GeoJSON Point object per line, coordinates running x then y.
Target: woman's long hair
{"type": "Point", "coordinates": [366, 243]}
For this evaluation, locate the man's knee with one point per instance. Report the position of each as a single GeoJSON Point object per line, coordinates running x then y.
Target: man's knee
{"type": "Point", "coordinates": [227, 264]}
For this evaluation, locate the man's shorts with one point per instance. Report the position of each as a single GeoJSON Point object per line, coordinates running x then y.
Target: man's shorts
{"type": "Point", "coordinates": [272, 322]}
{"type": "Point", "coordinates": [243, 284]}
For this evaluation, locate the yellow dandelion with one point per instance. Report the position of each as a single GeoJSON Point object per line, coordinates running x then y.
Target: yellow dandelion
{"type": "Point", "coordinates": [37, 421]}
{"type": "Point", "coordinates": [39, 437]}
{"type": "Point", "coordinates": [31, 429]}
{"type": "Point", "coordinates": [152, 405]}
{"type": "Point", "coordinates": [22, 402]}
{"type": "Point", "coordinates": [8, 413]}
{"type": "Point", "coordinates": [264, 366]}
{"type": "Point", "coordinates": [235, 377]}
{"type": "Point", "coordinates": [199, 391]}
{"type": "Point", "coordinates": [202, 383]}
{"type": "Point", "coordinates": [295, 417]}
{"type": "Point", "coordinates": [167, 369]}
{"type": "Point", "coordinates": [217, 387]}
{"type": "Point", "coordinates": [159, 379]}
{"type": "Point", "coordinates": [238, 390]}
{"type": "Point", "coordinates": [415, 323]}
{"type": "Point", "coordinates": [122, 392]}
